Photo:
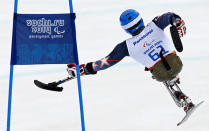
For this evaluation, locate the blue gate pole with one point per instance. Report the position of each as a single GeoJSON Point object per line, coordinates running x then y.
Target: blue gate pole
{"type": "Point", "coordinates": [10, 98]}
{"type": "Point", "coordinates": [75, 50]}
{"type": "Point", "coordinates": [11, 69]}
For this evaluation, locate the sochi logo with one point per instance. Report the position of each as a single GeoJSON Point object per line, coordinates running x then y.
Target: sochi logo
{"type": "Point", "coordinates": [46, 26]}
{"type": "Point", "coordinates": [148, 44]}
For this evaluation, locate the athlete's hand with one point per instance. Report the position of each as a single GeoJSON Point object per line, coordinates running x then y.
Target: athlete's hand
{"type": "Point", "coordinates": [71, 69]}
{"type": "Point", "coordinates": [180, 25]}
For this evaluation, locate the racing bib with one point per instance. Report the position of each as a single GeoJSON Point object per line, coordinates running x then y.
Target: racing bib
{"type": "Point", "coordinates": [146, 46]}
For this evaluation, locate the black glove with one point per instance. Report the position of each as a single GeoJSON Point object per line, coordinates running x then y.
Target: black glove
{"type": "Point", "coordinates": [84, 69]}
{"type": "Point", "coordinates": [179, 23]}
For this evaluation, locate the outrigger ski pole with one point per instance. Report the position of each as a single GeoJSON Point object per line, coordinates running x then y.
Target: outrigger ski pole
{"type": "Point", "coordinates": [53, 86]}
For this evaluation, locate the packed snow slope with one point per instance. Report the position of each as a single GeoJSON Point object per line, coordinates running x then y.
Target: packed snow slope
{"type": "Point", "coordinates": [121, 98]}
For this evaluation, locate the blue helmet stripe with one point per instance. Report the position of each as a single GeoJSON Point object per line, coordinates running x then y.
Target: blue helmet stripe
{"type": "Point", "coordinates": [131, 20]}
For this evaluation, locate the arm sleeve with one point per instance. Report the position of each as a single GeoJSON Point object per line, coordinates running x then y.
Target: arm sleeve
{"type": "Point", "coordinates": [117, 54]}
{"type": "Point", "coordinates": [164, 20]}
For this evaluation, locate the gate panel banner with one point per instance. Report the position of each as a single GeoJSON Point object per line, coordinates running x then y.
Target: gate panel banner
{"type": "Point", "coordinates": [43, 39]}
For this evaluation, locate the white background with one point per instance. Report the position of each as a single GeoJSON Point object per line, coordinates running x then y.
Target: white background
{"type": "Point", "coordinates": [121, 98]}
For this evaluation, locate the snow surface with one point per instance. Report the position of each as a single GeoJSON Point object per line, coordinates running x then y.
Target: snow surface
{"type": "Point", "coordinates": [122, 98]}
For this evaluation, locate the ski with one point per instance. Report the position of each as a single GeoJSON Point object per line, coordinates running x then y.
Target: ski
{"type": "Point", "coordinates": [50, 86]}
{"type": "Point", "coordinates": [189, 113]}
{"type": "Point", "coordinates": [53, 86]}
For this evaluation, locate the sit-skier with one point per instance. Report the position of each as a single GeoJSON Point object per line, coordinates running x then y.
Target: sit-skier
{"type": "Point", "coordinates": [149, 46]}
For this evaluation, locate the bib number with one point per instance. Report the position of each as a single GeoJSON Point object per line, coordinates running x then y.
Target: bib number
{"type": "Point", "coordinates": [154, 55]}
